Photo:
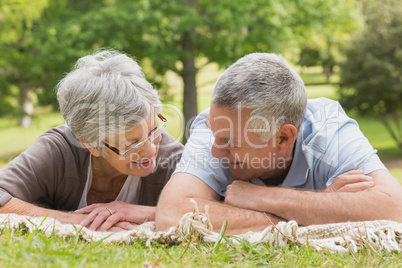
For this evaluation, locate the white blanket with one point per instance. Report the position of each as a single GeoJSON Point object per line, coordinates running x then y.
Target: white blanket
{"type": "Point", "coordinates": [345, 237]}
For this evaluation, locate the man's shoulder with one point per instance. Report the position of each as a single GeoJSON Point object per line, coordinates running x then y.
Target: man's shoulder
{"type": "Point", "coordinates": [322, 112]}
{"type": "Point", "coordinates": [322, 108]}
{"type": "Point", "coordinates": [200, 120]}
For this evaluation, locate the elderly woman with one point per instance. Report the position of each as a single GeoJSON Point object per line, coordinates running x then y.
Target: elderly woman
{"type": "Point", "coordinates": [111, 159]}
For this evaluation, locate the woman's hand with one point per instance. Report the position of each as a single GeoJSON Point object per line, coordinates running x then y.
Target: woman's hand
{"type": "Point", "coordinates": [352, 181]}
{"type": "Point", "coordinates": [116, 216]}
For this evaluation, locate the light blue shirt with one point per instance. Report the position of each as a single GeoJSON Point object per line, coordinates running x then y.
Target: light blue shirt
{"type": "Point", "coordinates": [329, 143]}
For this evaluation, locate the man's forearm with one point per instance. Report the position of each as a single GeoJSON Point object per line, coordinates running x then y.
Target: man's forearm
{"type": "Point", "coordinates": [308, 207]}
{"type": "Point", "coordinates": [238, 220]}
{"type": "Point", "coordinates": [384, 201]}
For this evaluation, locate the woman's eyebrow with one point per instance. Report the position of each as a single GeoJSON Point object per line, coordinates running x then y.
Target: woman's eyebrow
{"type": "Point", "coordinates": [152, 130]}
{"type": "Point", "coordinates": [135, 140]}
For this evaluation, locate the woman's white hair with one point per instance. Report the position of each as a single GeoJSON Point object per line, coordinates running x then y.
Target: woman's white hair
{"type": "Point", "coordinates": [104, 95]}
{"type": "Point", "coordinates": [266, 84]}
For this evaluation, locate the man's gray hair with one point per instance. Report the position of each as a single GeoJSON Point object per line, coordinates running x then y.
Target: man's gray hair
{"type": "Point", "coordinates": [104, 95]}
{"type": "Point", "coordinates": [266, 84]}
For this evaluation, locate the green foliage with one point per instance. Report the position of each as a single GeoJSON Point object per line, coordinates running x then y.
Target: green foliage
{"type": "Point", "coordinates": [164, 35]}
{"type": "Point", "coordinates": [19, 248]}
{"type": "Point", "coordinates": [334, 22]}
{"type": "Point", "coordinates": [371, 78]}
{"type": "Point", "coordinates": [19, 65]}
{"type": "Point", "coordinates": [309, 57]}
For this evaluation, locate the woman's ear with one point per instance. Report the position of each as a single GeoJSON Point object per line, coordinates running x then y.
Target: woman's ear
{"type": "Point", "coordinates": [91, 149]}
{"type": "Point", "coordinates": [286, 136]}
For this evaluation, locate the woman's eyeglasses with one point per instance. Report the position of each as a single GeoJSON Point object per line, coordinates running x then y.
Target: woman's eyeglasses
{"type": "Point", "coordinates": [136, 147]}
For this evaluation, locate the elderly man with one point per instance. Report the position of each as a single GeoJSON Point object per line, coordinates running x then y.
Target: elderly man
{"type": "Point", "coordinates": [263, 153]}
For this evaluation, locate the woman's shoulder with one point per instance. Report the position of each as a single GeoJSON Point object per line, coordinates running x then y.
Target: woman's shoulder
{"type": "Point", "coordinates": [62, 135]}
{"type": "Point", "coordinates": [169, 145]}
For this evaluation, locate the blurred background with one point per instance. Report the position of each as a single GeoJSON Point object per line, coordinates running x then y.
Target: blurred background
{"type": "Point", "coordinates": [346, 50]}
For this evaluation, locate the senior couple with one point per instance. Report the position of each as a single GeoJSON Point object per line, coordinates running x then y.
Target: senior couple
{"type": "Point", "coordinates": [262, 153]}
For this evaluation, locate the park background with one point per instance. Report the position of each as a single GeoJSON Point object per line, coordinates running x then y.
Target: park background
{"type": "Point", "coordinates": [346, 50]}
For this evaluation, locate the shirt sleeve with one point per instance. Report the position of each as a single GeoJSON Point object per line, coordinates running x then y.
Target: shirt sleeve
{"type": "Point", "coordinates": [340, 146]}
{"type": "Point", "coordinates": [198, 161]}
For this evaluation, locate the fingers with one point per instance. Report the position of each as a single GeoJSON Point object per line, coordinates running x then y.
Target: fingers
{"type": "Point", "coordinates": [96, 218]}
{"type": "Point", "coordinates": [107, 224]}
{"type": "Point", "coordinates": [88, 209]}
{"type": "Point", "coordinates": [88, 219]}
{"type": "Point", "coordinates": [124, 225]}
{"type": "Point", "coordinates": [348, 179]}
{"type": "Point", "coordinates": [116, 229]}
{"type": "Point", "coordinates": [351, 181]}
{"type": "Point", "coordinates": [354, 171]}
{"type": "Point", "coordinates": [104, 217]}
{"type": "Point", "coordinates": [356, 187]}
{"type": "Point", "coordinates": [101, 219]}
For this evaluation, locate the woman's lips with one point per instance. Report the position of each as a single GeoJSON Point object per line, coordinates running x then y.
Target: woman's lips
{"type": "Point", "coordinates": [144, 163]}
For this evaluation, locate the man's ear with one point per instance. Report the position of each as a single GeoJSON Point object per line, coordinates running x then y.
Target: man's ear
{"type": "Point", "coordinates": [286, 136]}
{"type": "Point", "coordinates": [91, 149]}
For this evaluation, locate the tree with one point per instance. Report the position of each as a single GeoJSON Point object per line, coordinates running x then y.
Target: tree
{"type": "Point", "coordinates": [179, 32]}
{"type": "Point", "coordinates": [334, 23]}
{"type": "Point", "coordinates": [18, 60]}
{"type": "Point", "coordinates": [173, 34]}
{"type": "Point", "coordinates": [371, 77]}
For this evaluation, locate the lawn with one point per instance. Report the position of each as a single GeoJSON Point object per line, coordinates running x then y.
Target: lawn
{"type": "Point", "coordinates": [20, 249]}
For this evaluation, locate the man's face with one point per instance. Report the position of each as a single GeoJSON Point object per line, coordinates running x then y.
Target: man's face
{"type": "Point", "coordinates": [248, 156]}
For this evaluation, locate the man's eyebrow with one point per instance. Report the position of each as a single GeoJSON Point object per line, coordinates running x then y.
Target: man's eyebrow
{"type": "Point", "coordinates": [224, 140]}
{"type": "Point", "coordinates": [227, 140]}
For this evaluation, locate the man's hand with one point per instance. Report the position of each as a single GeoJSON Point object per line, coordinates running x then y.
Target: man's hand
{"type": "Point", "coordinates": [352, 181]}
{"type": "Point", "coordinates": [116, 216]}
{"type": "Point", "coordinates": [242, 194]}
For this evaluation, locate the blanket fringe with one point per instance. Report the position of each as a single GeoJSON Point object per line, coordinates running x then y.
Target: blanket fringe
{"type": "Point", "coordinates": [342, 237]}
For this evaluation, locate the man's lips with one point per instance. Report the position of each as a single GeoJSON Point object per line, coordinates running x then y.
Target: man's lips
{"type": "Point", "coordinates": [235, 164]}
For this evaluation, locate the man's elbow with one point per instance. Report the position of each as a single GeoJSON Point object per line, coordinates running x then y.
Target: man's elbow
{"type": "Point", "coordinates": [395, 210]}
{"type": "Point", "coordinates": [392, 207]}
{"type": "Point", "coordinates": [164, 220]}
{"type": "Point", "coordinates": [161, 222]}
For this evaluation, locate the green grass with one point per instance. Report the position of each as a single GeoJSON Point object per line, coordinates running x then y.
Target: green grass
{"type": "Point", "coordinates": [20, 249]}
{"type": "Point", "coordinates": [16, 139]}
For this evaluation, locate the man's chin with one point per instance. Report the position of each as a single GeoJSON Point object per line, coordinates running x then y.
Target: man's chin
{"type": "Point", "coordinates": [239, 174]}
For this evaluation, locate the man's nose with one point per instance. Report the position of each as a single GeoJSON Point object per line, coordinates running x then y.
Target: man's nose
{"type": "Point", "coordinates": [219, 150]}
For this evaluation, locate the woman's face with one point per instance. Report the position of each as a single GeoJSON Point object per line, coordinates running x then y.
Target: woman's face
{"type": "Point", "coordinates": [135, 160]}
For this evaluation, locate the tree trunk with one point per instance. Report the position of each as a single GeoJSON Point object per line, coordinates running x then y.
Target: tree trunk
{"type": "Point", "coordinates": [25, 107]}
{"type": "Point", "coordinates": [396, 134]}
{"type": "Point", "coordinates": [327, 72]}
{"type": "Point", "coordinates": [189, 72]}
